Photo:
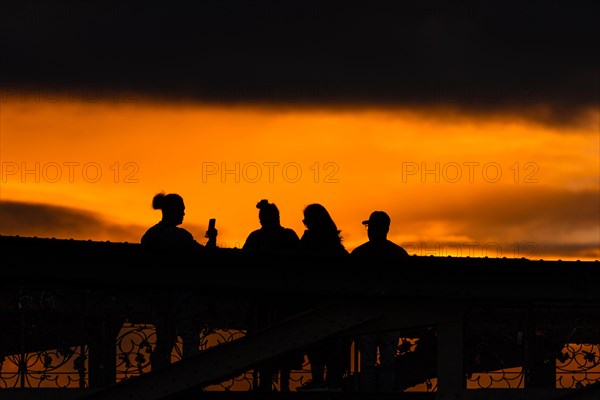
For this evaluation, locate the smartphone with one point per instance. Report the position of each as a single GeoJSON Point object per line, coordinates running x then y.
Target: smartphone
{"type": "Point", "coordinates": [211, 228]}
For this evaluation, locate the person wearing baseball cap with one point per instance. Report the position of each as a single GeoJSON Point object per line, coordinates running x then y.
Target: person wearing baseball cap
{"type": "Point", "coordinates": [372, 378]}
{"type": "Point", "coordinates": [378, 226]}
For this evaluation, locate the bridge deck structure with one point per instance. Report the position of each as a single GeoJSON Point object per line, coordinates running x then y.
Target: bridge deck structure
{"type": "Point", "coordinates": [77, 322]}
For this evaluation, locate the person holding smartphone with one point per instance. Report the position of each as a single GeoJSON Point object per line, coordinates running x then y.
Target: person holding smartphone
{"type": "Point", "coordinates": [174, 314]}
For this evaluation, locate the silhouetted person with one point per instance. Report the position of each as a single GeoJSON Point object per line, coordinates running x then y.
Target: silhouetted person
{"type": "Point", "coordinates": [329, 358]}
{"type": "Point", "coordinates": [373, 378]}
{"type": "Point", "coordinates": [272, 239]}
{"type": "Point", "coordinates": [378, 227]}
{"type": "Point", "coordinates": [321, 236]}
{"type": "Point", "coordinates": [169, 243]}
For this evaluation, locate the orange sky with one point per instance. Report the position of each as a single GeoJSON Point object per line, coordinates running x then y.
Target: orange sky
{"type": "Point", "coordinates": [453, 184]}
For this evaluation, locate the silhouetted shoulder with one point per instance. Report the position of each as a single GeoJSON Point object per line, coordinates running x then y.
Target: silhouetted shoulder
{"type": "Point", "coordinates": [272, 240]}
{"type": "Point", "coordinates": [166, 237]}
{"type": "Point", "coordinates": [291, 236]}
{"type": "Point", "coordinates": [320, 243]}
{"type": "Point", "coordinates": [384, 248]}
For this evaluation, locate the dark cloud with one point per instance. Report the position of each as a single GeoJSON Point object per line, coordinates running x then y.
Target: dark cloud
{"type": "Point", "coordinates": [536, 58]}
{"type": "Point", "coordinates": [43, 220]}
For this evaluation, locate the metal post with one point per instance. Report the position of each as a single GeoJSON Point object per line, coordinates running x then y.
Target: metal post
{"type": "Point", "coordinates": [451, 377]}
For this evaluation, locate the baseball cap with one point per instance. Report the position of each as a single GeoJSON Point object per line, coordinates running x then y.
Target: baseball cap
{"type": "Point", "coordinates": [378, 218]}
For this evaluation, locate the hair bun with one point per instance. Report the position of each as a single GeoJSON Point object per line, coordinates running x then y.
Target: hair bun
{"type": "Point", "coordinates": [158, 201]}
{"type": "Point", "coordinates": [262, 204]}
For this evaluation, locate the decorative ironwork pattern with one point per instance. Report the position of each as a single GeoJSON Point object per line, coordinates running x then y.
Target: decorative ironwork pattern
{"type": "Point", "coordinates": [60, 368]}
{"type": "Point", "coordinates": [136, 342]}
{"type": "Point", "coordinates": [40, 353]}
{"type": "Point", "coordinates": [578, 365]}
{"type": "Point", "coordinates": [134, 347]}
{"type": "Point", "coordinates": [509, 378]}
{"type": "Point", "coordinates": [416, 355]}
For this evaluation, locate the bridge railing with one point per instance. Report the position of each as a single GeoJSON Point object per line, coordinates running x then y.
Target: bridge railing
{"type": "Point", "coordinates": [79, 315]}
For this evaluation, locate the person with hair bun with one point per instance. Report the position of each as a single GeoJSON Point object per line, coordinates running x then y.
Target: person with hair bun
{"type": "Point", "coordinates": [176, 311]}
{"type": "Point", "coordinates": [272, 239]}
{"type": "Point", "coordinates": [166, 235]}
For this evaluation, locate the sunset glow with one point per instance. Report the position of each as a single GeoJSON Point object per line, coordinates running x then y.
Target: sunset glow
{"type": "Point", "coordinates": [453, 184]}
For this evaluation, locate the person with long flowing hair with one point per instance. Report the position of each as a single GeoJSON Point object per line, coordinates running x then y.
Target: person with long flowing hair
{"type": "Point", "coordinates": [329, 358]}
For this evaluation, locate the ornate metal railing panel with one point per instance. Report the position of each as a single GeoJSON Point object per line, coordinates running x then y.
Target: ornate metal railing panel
{"type": "Point", "coordinates": [60, 368]}
{"type": "Point", "coordinates": [136, 342]}
{"type": "Point", "coordinates": [578, 366]}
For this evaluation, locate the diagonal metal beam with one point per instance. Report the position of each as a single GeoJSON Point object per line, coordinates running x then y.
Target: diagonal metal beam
{"type": "Point", "coordinates": [231, 359]}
